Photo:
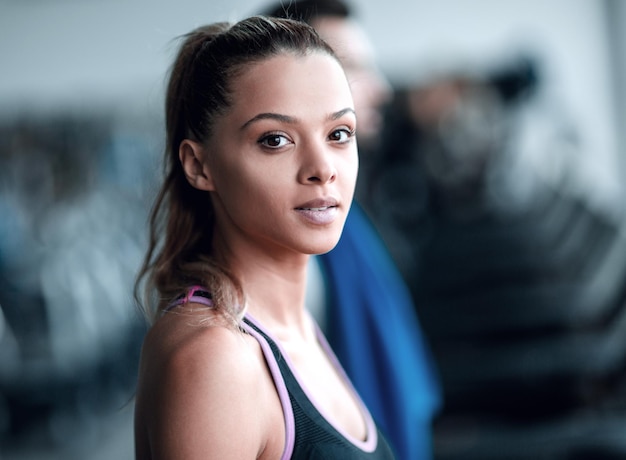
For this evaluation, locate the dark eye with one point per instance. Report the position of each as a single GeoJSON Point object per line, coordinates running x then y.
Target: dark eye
{"type": "Point", "coordinates": [273, 141]}
{"type": "Point", "coordinates": [341, 135]}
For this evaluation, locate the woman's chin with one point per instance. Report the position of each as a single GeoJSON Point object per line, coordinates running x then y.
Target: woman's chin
{"type": "Point", "coordinates": [322, 247]}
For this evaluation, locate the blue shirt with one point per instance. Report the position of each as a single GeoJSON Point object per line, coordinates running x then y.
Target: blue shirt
{"type": "Point", "coordinates": [374, 331]}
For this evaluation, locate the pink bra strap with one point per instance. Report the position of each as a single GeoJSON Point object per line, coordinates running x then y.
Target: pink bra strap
{"type": "Point", "coordinates": [193, 294]}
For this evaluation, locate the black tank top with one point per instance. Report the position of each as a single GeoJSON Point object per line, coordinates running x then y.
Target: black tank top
{"type": "Point", "coordinates": [309, 435]}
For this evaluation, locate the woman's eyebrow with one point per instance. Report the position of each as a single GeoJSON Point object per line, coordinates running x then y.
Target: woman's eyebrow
{"type": "Point", "coordinates": [289, 119]}
{"type": "Point", "coordinates": [341, 113]}
{"type": "Point", "coordinates": [270, 116]}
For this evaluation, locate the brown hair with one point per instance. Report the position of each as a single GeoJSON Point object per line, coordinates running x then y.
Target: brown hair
{"type": "Point", "coordinates": [181, 223]}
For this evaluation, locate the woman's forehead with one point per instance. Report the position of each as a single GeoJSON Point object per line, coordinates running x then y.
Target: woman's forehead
{"type": "Point", "coordinates": [293, 83]}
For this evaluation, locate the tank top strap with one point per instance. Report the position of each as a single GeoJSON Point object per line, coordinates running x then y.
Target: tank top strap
{"type": "Point", "coordinates": [269, 353]}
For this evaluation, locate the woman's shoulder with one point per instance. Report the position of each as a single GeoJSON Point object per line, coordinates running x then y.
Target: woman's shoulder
{"type": "Point", "coordinates": [203, 376]}
{"type": "Point", "coordinates": [197, 346]}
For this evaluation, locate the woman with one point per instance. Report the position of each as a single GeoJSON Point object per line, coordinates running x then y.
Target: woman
{"type": "Point", "coordinates": [261, 164]}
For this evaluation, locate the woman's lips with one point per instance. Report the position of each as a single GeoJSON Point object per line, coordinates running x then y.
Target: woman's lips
{"type": "Point", "coordinates": [320, 212]}
{"type": "Point", "coordinates": [319, 216]}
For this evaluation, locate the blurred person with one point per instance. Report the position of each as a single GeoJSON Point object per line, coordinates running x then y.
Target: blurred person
{"type": "Point", "coordinates": [366, 308]}
{"type": "Point", "coordinates": [261, 167]}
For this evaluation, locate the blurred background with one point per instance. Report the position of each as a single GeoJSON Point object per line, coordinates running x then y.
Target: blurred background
{"type": "Point", "coordinates": [498, 187]}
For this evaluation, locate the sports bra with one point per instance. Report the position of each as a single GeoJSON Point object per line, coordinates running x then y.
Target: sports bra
{"type": "Point", "coordinates": [309, 435]}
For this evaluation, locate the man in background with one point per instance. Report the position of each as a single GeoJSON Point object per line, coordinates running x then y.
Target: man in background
{"type": "Point", "coordinates": [366, 310]}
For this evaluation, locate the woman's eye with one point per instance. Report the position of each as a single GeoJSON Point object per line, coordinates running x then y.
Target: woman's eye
{"type": "Point", "coordinates": [274, 141]}
{"type": "Point", "coordinates": [341, 135]}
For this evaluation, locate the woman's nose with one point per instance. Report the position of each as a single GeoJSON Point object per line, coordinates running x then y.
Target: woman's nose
{"type": "Point", "coordinates": [317, 166]}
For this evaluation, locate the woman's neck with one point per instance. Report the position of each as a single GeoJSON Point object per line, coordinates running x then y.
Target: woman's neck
{"type": "Point", "coordinates": [273, 276]}
{"type": "Point", "coordinates": [274, 284]}
{"type": "Point", "coordinates": [276, 295]}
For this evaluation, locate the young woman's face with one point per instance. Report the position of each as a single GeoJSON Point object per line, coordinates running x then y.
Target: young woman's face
{"type": "Point", "coordinates": [283, 160]}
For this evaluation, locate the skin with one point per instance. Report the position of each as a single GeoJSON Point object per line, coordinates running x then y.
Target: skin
{"type": "Point", "coordinates": [205, 392]}
{"type": "Point", "coordinates": [370, 89]}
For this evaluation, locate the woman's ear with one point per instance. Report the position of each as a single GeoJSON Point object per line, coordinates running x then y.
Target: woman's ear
{"type": "Point", "coordinates": [191, 155]}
